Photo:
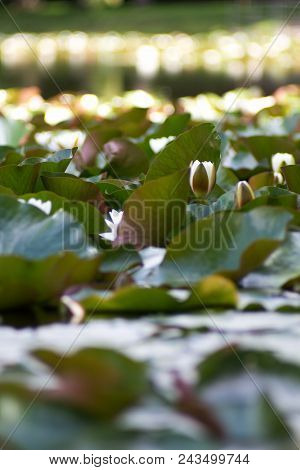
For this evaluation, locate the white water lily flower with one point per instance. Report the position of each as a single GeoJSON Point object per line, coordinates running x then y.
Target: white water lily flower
{"type": "Point", "coordinates": [112, 223]}
{"type": "Point", "coordinates": [44, 206]}
{"type": "Point", "coordinates": [282, 159]}
{"type": "Point", "coordinates": [202, 177]}
{"type": "Point", "coordinates": [243, 194]}
{"type": "Point", "coordinates": [159, 144]}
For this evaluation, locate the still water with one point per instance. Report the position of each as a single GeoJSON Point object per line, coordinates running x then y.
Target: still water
{"type": "Point", "coordinates": [113, 79]}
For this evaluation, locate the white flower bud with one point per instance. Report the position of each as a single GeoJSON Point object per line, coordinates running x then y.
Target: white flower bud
{"type": "Point", "coordinates": [202, 177]}
{"type": "Point", "coordinates": [278, 178]}
{"type": "Point", "coordinates": [282, 159]}
{"type": "Point", "coordinates": [243, 194]}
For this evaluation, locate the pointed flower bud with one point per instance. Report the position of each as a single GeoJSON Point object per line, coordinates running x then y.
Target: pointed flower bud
{"type": "Point", "coordinates": [243, 194]}
{"type": "Point", "coordinates": [202, 177]}
{"type": "Point", "coordinates": [278, 178]}
{"type": "Point", "coordinates": [282, 159]}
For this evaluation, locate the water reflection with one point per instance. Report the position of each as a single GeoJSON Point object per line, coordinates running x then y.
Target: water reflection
{"type": "Point", "coordinates": [111, 80]}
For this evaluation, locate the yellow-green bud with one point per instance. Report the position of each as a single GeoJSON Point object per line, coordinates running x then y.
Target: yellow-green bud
{"type": "Point", "coordinates": [202, 177]}
{"type": "Point", "coordinates": [243, 194]}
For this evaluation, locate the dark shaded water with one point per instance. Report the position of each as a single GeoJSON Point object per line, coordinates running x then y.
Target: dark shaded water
{"type": "Point", "coordinates": [105, 80]}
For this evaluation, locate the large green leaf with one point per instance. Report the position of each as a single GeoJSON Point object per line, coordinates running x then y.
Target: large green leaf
{"type": "Point", "coordinates": [231, 360]}
{"type": "Point", "coordinates": [155, 211]}
{"type": "Point", "coordinates": [83, 212]}
{"type": "Point", "coordinates": [264, 146]}
{"type": "Point", "coordinates": [214, 291]}
{"type": "Point", "coordinates": [230, 243]}
{"type": "Point", "coordinates": [125, 159]}
{"type": "Point", "coordinates": [115, 191]}
{"type": "Point", "coordinates": [20, 179]}
{"type": "Point", "coordinates": [199, 143]}
{"type": "Point", "coordinates": [245, 376]}
{"type": "Point", "coordinates": [27, 231]}
{"type": "Point", "coordinates": [27, 281]}
{"type": "Point", "coordinates": [99, 382]}
{"type": "Point", "coordinates": [292, 176]}
{"type": "Point", "coordinates": [173, 125]}
{"type": "Point", "coordinates": [56, 162]}
{"type": "Point", "coordinates": [119, 259]}
{"type": "Point", "coordinates": [71, 187]}
{"type": "Point", "coordinates": [280, 267]}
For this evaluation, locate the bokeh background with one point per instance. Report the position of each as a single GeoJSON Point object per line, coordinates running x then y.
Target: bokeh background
{"type": "Point", "coordinates": [168, 48]}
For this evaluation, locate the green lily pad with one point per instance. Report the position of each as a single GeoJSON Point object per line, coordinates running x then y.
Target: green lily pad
{"type": "Point", "coordinates": [264, 146]}
{"type": "Point", "coordinates": [99, 382]}
{"type": "Point", "coordinates": [292, 176]}
{"type": "Point", "coordinates": [28, 232]}
{"type": "Point", "coordinates": [214, 291]}
{"type": "Point", "coordinates": [173, 125]}
{"type": "Point", "coordinates": [71, 187]}
{"type": "Point", "coordinates": [56, 162]}
{"type": "Point", "coordinates": [228, 361]}
{"type": "Point", "coordinates": [20, 179]}
{"type": "Point", "coordinates": [280, 267]}
{"type": "Point", "coordinates": [154, 211]}
{"type": "Point", "coordinates": [119, 259]}
{"type": "Point", "coordinates": [199, 143]}
{"type": "Point", "coordinates": [125, 159]}
{"type": "Point", "coordinates": [115, 191]}
{"type": "Point", "coordinates": [229, 243]}
{"type": "Point", "coordinates": [27, 281]}
{"type": "Point", "coordinates": [85, 213]}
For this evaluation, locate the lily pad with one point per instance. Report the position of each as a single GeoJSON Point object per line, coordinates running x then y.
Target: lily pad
{"type": "Point", "coordinates": [280, 267]}
{"type": "Point", "coordinates": [292, 176]}
{"type": "Point", "coordinates": [125, 159]}
{"type": "Point", "coordinates": [99, 382]}
{"type": "Point", "coordinates": [84, 212]}
{"type": "Point", "coordinates": [199, 143]}
{"type": "Point", "coordinates": [27, 281]}
{"type": "Point", "coordinates": [28, 232]}
{"type": "Point", "coordinates": [56, 162]}
{"type": "Point", "coordinates": [214, 291]}
{"type": "Point", "coordinates": [72, 187]}
{"type": "Point", "coordinates": [228, 243]}
{"type": "Point", "coordinates": [20, 179]}
{"type": "Point", "coordinates": [154, 211]}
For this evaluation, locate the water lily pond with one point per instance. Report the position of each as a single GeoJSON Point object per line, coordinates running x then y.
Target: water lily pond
{"type": "Point", "coordinates": [149, 270]}
{"type": "Point", "coordinates": [171, 65]}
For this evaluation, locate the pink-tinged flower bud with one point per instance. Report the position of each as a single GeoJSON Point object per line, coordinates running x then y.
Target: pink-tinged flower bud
{"type": "Point", "coordinates": [202, 177]}
{"type": "Point", "coordinates": [243, 194]}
